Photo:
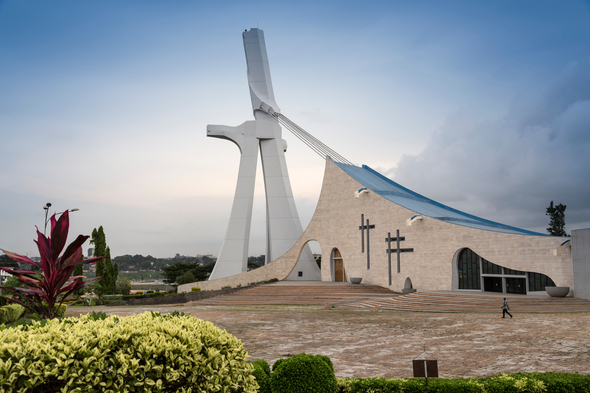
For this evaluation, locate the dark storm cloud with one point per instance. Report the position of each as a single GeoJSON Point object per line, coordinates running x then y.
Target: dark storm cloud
{"type": "Point", "coordinates": [509, 169]}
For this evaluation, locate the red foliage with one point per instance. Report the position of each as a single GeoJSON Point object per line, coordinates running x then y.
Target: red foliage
{"type": "Point", "coordinates": [54, 283]}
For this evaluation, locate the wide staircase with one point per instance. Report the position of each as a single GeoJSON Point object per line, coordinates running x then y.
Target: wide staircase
{"type": "Point", "coordinates": [281, 294]}
{"type": "Point", "coordinates": [438, 302]}
{"type": "Point", "coordinates": [378, 298]}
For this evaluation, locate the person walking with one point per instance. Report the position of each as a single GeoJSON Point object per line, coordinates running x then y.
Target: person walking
{"type": "Point", "coordinates": [505, 309]}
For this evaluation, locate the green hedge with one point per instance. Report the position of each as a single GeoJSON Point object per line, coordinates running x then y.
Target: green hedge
{"type": "Point", "coordinates": [512, 383]}
{"type": "Point", "coordinates": [11, 313]}
{"type": "Point", "coordinates": [141, 353]}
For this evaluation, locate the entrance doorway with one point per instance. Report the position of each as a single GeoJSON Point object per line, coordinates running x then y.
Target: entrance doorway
{"type": "Point", "coordinates": [492, 284]}
{"type": "Point", "coordinates": [516, 285]}
{"type": "Point", "coordinates": [339, 274]}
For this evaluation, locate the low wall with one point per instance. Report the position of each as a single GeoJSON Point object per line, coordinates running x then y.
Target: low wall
{"type": "Point", "coordinates": [174, 299]}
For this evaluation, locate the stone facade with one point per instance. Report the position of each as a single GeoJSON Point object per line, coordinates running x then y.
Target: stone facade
{"type": "Point", "coordinates": [436, 244]}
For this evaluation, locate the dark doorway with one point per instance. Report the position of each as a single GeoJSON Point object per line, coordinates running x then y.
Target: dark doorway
{"type": "Point", "coordinates": [492, 284]}
{"type": "Point", "coordinates": [516, 285]}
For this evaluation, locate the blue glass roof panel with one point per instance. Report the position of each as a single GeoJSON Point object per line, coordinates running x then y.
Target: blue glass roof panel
{"type": "Point", "coordinates": [415, 202]}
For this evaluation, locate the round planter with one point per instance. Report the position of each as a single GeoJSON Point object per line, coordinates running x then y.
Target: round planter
{"type": "Point", "coordinates": [356, 280]}
{"type": "Point", "coordinates": [557, 291]}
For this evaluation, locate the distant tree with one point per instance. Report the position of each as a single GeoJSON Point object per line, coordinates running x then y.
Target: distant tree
{"type": "Point", "coordinates": [186, 278]}
{"type": "Point", "coordinates": [256, 262]}
{"type": "Point", "coordinates": [145, 264]}
{"type": "Point", "coordinates": [104, 268]}
{"type": "Point", "coordinates": [5, 261]}
{"type": "Point", "coordinates": [202, 273]}
{"type": "Point", "coordinates": [205, 260]}
{"type": "Point", "coordinates": [173, 272]}
{"type": "Point", "coordinates": [556, 219]}
{"type": "Point", "coordinates": [124, 286]}
{"type": "Point", "coordinates": [79, 271]}
{"type": "Point", "coordinates": [6, 258]}
{"type": "Point", "coordinates": [12, 282]}
{"type": "Point", "coordinates": [176, 270]}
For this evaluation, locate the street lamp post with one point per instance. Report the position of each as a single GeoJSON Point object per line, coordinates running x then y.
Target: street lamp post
{"type": "Point", "coordinates": [46, 208]}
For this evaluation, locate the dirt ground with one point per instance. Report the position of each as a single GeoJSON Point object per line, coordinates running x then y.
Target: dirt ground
{"type": "Point", "coordinates": [368, 344]}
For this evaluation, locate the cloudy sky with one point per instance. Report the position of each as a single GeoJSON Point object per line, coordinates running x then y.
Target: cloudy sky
{"type": "Point", "coordinates": [484, 106]}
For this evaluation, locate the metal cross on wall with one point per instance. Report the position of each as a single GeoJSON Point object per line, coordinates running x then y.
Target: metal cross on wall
{"type": "Point", "coordinates": [362, 229]}
{"type": "Point", "coordinates": [396, 250]}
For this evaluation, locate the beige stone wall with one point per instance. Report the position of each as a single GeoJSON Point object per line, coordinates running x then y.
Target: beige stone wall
{"type": "Point", "coordinates": [336, 222]}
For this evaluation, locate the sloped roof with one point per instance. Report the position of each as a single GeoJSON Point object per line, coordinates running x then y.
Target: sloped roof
{"type": "Point", "coordinates": [415, 202]}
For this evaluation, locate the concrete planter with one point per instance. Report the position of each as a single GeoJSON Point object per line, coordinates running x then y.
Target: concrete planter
{"type": "Point", "coordinates": [557, 291]}
{"type": "Point", "coordinates": [356, 280]}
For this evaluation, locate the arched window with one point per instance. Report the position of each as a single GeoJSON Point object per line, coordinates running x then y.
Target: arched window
{"type": "Point", "coordinates": [471, 267]}
{"type": "Point", "coordinates": [469, 275]}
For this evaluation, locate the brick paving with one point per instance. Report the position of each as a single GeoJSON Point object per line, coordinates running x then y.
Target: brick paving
{"type": "Point", "coordinates": [362, 343]}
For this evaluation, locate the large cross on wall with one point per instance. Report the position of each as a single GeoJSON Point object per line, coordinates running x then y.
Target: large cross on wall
{"type": "Point", "coordinates": [366, 227]}
{"type": "Point", "coordinates": [397, 250]}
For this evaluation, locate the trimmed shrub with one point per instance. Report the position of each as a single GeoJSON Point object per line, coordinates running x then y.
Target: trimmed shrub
{"type": "Point", "coordinates": [277, 364]}
{"type": "Point", "coordinates": [303, 373]}
{"type": "Point", "coordinates": [61, 311]}
{"type": "Point", "coordinates": [11, 313]}
{"type": "Point", "coordinates": [262, 375]}
{"type": "Point", "coordinates": [327, 360]}
{"type": "Point", "coordinates": [264, 364]}
{"type": "Point", "coordinates": [146, 352]}
{"type": "Point", "coordinates": [195, 289]}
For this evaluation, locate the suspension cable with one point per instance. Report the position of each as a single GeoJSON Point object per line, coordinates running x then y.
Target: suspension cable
{"type": "Point", "coordinates": [315, 144]}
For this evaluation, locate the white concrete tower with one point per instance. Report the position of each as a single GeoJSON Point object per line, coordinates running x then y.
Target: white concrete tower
{"type": "Point", "coordinates": [283, 227]}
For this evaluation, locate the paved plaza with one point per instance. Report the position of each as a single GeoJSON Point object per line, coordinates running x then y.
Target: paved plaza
{"type": "Point", "coordinates": [363, 343]}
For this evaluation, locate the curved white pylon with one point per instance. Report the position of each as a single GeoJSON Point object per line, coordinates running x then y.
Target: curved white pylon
{"type": "Point", "coordinates": [282, 221]}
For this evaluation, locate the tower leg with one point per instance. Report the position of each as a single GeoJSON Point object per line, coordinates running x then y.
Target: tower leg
{"type": "Point", "coordinates": [233, 257]}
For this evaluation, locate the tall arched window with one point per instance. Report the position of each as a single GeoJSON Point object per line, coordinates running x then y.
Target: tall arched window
{"type": "Point", "coordinates": [469, 275]}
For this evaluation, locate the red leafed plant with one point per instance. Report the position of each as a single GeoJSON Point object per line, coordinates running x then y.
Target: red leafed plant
{"type": "Point", "coordinates": [43, 290]}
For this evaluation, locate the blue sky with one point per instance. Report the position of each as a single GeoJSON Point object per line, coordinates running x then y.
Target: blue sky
{"type": "Point", "coordinates": [484, 106]}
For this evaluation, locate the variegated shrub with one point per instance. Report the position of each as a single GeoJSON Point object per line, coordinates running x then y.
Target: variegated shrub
{"type": "Point", "coordinates": [141, 353]}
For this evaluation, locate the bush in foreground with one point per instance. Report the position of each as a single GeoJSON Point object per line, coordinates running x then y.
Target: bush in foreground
{"type": "Point", "coordinates": [141, 353]}
{"type": "Point", "coordinates": [262, 375]}
{"type": "Point", "coordinates": [303, 373]}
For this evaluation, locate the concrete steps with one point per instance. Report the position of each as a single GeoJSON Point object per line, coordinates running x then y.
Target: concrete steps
{"type": "Point", "coordinates": [301, 294]}
{"type": "Point", "coordinates": [375, 297]}
{"type": "Point", "coordinates": [434, 302]}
